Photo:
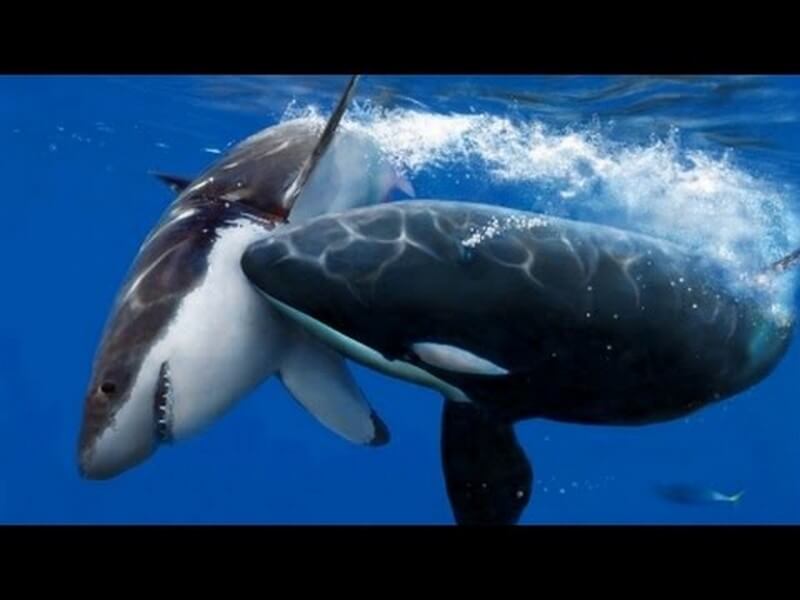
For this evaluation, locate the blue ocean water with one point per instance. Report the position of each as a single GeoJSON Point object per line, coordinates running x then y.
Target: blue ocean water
{"type": "Point", "coordinates": [708, 161]}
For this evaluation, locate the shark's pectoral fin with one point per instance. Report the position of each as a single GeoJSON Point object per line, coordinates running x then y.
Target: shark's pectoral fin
{"type": "Point", "coordinates": [318, 378]}
{"type": "Point", "coordinates": [487, 474]}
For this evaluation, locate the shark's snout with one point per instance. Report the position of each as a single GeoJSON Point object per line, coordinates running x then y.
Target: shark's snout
{"type": "Point", "coordinates": [90, 468]}
{"type": "Point", "coordinates": [111, 443]}
{"type": "Point", "coordinates": [113, 453]}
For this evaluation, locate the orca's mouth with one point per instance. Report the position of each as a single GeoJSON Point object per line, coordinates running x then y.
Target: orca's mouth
{"type": "Point", "coordinates": [162, 405]}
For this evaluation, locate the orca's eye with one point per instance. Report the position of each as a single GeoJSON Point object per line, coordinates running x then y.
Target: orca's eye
{"type": "Point", "coordinates": [108, 387]}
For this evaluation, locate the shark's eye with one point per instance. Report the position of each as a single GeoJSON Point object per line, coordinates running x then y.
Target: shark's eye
{"type": "Point", "coordinates": [108, 387]}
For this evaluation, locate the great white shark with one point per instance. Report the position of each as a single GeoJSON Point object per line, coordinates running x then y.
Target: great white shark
{"type": "Point", "coordinates": [513, 315]}
{"type": "Point", "coordinates": [188, 335]}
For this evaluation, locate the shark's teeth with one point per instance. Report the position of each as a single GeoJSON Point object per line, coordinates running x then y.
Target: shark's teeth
{"type": "Point", "coordinates": [162, 405]}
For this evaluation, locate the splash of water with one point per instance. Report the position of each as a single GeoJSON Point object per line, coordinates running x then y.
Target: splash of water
{"type": "Point", "coordinates": [704, 202]}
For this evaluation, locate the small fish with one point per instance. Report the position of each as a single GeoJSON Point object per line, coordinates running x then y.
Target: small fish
{"type": "Point", "coordinates": [691, 494]}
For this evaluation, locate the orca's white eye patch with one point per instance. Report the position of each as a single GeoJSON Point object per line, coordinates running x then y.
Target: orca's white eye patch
{"type": "Point", "coordinates": [458, 360]}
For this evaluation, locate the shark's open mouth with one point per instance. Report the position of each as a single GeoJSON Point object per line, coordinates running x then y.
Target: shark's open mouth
{"type": "Point", "coordinates": [162, 406]}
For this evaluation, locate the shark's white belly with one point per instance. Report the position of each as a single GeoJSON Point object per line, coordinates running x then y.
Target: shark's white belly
{"type": "Point", "coordinates": [224, 341]}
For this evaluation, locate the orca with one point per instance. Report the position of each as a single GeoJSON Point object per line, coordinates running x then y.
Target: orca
{"type": "Point", "coordinates": [513, 315]}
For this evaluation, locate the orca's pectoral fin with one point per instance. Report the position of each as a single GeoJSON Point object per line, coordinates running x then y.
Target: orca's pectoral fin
{"type": "Point", "coordinates": [318, 378]}
{"type": "Point", "coordinates": [487, 474]}
{"type": "Point", "coordinates": [174, 182]}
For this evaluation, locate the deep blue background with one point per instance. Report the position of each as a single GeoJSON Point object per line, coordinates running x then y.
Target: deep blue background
{"type": "Point", "coordinates": [77, 203]}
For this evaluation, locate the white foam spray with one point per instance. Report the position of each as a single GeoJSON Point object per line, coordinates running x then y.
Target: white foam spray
{"type": "Point", "coordinates": [706, 202]}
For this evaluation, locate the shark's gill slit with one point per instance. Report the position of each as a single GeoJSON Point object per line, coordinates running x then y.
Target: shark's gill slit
{"type": "Point", "coordinates": [162, 405]}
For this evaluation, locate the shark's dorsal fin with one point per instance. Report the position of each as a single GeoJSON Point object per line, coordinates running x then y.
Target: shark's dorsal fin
{"type": "Point", "coordinates": [297, 184]}
{"type": "Point", "coordinates": [174, 182]}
